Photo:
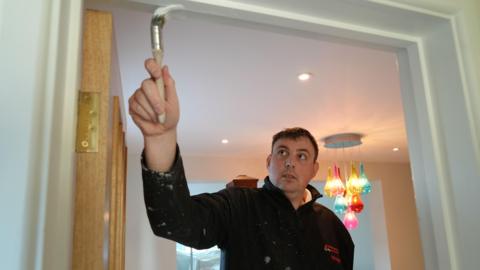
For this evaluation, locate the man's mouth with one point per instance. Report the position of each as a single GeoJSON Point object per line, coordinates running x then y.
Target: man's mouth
{"type": "Point", "coordinates": [288, 176]}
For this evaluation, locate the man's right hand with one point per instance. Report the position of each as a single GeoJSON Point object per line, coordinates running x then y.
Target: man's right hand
{"type": "Point", "coordinates": [145, 105]}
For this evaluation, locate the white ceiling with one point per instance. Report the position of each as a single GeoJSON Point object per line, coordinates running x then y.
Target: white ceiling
{"type": "Point", "coordinates": [239, 83]}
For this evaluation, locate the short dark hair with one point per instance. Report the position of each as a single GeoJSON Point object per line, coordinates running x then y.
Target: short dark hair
{"type": "Point", "coordinates": [295, 133]}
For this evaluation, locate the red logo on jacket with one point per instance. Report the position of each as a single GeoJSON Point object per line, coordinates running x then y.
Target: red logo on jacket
{"type": "Point", "coordinates": [333, 253]}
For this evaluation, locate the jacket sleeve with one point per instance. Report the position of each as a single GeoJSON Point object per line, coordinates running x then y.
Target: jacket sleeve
{"type": "Point", "coordinates": [196, 221]}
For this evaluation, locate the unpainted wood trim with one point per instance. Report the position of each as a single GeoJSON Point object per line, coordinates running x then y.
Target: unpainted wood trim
{"type": "Point", "coordinates": [91, 172]}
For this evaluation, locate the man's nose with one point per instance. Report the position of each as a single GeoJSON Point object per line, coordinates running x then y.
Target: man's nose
{"type": "Point", "coordinates": [289, 163]}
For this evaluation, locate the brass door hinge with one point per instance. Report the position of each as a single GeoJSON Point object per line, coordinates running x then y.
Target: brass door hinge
{"type": "Point", "coordinates": [87, 122]}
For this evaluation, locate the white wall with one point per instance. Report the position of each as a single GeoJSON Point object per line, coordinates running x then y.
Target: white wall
{"type": "Point", "coordinates": [22, 49]}
{"type": "Point", "coordinates": [38, 71]}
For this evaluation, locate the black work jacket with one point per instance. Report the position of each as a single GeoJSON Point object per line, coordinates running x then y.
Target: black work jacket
{"type": "Point", "coordinates": [254, 228]}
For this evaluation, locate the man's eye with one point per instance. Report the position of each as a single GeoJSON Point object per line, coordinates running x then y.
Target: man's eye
{"type": "Point", "coordinates": [282, 152]}
{"type": "Point", "coordinates": [302, 156]}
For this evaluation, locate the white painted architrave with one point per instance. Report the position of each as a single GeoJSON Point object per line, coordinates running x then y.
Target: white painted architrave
{"type": "Point", "coordinates": [53, 154]}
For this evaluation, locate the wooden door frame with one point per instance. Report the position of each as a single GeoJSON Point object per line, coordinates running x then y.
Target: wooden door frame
{"type": "Point", "coordinates": [52, 247]}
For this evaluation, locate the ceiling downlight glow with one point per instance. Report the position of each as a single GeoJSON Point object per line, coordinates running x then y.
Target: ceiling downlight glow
{"type": "Point", "coordinates": [224, 141]}
{"type": "Point", "coordinates": [304, 76]}
{"type": "Point", "coordinates": [396, 149]}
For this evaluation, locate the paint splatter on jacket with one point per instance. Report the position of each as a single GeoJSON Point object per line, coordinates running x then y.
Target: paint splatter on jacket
{"type": "Point", "coordinates": [254, 228]}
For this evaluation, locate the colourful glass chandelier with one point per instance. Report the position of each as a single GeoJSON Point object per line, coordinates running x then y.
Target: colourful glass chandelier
{"type": "Point", "coordinates": [348, 201]}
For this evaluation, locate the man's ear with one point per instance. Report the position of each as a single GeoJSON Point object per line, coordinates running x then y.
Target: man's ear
{"type": "Point", "coordinates": [269, 158]}
{"type": "Point", "coordinates": [316, 166]}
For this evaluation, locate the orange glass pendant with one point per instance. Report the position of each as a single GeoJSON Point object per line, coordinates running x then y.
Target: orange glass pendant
{"type": "Point", "coordinates": [328, 189]}
{"type": "Point", "coordinates": [355, 203]}
{"type": "Point", "coordinates": [334, 185]}
{"type": "Point", "coordinates": [353, 184]}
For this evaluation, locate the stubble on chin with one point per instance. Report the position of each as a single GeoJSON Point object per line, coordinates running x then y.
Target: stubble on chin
{"type": "Point", "coordinates": [286, 183]}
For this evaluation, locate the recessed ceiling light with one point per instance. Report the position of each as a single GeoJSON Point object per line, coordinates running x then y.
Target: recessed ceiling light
{"type": "Point", "coordinates": [304, 76]}
{"type": "Point", "coordinates": [396, 149]}
{"type": "Point", "coordinates": [224, 141]}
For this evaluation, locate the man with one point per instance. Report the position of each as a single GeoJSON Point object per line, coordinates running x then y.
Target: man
{"type": "Point", "coordinates": [278, 226]}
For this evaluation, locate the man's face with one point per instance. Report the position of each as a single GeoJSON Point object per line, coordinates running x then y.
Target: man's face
{"type": "Point", "coordinates": [291, 164]}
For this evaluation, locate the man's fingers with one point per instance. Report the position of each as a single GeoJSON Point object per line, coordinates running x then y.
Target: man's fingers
{"type": "Point", "coordinates": [153, 68]}
{"type": "Point", "coordinates": [147, 127]}
{"type": "Point", "coordinates": [150, 90]}
{"type": "Point", "coordinates": [134, 106]}
{"type": "Point", "coordinates": [146, 104]}
{"type": "Point", "coordinates": [141, 99]}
